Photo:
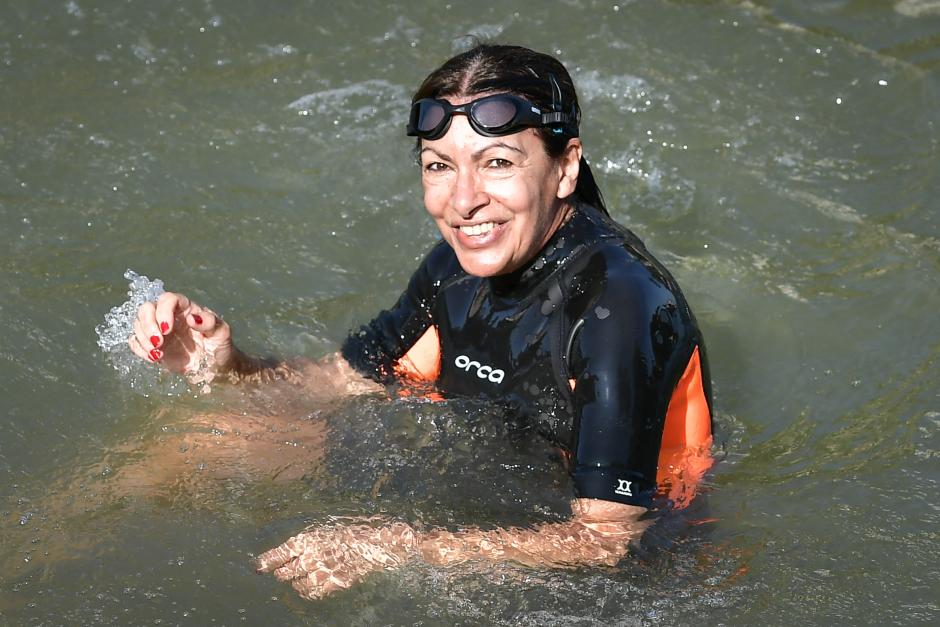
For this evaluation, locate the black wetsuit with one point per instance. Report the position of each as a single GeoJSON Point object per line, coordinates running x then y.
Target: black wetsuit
{"type": "Point", "coordinates": [589, 341]}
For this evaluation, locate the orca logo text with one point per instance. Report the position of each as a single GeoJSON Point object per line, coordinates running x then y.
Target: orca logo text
{"type": "Point", "coordinates": [493, 375]}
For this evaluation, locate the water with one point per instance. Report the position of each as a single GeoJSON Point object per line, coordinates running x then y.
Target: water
{"type": "Point", "coordinates": [780, 157]}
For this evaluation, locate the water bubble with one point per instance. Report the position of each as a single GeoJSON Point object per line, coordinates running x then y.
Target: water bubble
{"type": "Point", "coordinates": [117, 328]}
{"type": "Point", "coordinates": [73, 9]}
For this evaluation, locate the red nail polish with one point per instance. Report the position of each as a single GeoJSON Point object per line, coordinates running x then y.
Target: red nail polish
{"type": "Point", "coordinates": [197, 318]}
{"type": "Point", "coordinates": [155, 340]}
{"type": "Point", "coordinates": [155, 355]}
{"type": "Point", "coordinates": [164, 327]}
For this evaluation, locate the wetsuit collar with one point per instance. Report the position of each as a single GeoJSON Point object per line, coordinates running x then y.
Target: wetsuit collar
{"type": "Point", "coordinates": [552, 256]}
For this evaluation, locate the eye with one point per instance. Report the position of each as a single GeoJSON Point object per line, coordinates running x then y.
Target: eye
{"type": "Point", "coordinates": [435, 166]}
{"type": "Point", "coordinates": [498, 163]}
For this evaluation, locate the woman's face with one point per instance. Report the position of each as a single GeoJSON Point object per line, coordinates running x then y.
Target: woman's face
{"type": "Point", "coordinates": [496, 200]}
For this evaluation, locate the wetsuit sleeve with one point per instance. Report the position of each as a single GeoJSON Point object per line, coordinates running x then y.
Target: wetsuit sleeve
{"type": "Point", "coordinates": [628, 352]}
{"type": "Point", "coordinates": [374, 348]}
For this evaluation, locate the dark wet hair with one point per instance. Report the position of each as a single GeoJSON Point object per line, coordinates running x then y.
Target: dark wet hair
{"type": "Point", "coordinates": [488, 68]}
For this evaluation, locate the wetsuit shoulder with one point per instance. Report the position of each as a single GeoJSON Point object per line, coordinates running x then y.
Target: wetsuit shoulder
{"type": "Point", "coordinates": [374, 348]}
{"type": "Point", "coordinates": [631, 337]}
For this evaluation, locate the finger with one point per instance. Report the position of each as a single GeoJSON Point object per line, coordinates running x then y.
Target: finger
{"type": "Point", "coordinates": [308, 588]}
{"type": "Point", "coordinates": [148, 345]}
{"type": "Point", "coordinates": [278, 556]}
{"type": "Point", "coordinates": [145, 327]}
{"type": "Point", "coordinates": [319, 584]}
{"type": "Point", "coordinates": [313, 560]}
{"type": "Point", "coordinates": [167, 307]}
{"type": "Point", "coordinates": [137, 349]}
{"type": "Point", "coordinates": [203, 320]}
{"type": "Point", "coordinates": [292, 570]}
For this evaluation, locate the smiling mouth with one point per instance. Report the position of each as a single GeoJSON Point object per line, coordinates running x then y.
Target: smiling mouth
{"type": "Point", "coordinates": [478, 229]}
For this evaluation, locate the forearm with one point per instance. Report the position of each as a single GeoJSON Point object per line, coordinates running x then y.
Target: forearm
{"type": "Point", "coordinates": [563, 544]}
{"type": "Point", "coordinates": [329, 376]}
{"type": "Point", "coordinates": [323, 559]}
{"type": "Point", "coordinates": [246, 368]}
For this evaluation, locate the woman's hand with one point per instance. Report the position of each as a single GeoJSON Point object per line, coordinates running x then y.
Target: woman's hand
{"type": "Point", "coordinates": [184, 337]}
{"type": "Point", "coordinates": [324, 559]}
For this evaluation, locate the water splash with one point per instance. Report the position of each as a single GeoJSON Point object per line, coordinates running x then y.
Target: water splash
{"type": "Point", "coordinates": [144, 378]}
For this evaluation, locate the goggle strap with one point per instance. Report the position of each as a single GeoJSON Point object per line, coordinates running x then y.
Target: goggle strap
{"type": "Point", "coordinates": [556, 92]}
{"type": "Point", "coordinates": [556, 117]}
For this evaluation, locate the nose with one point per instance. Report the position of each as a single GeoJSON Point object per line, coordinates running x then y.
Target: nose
{"type": "Point", "coordinates": [469, 193]}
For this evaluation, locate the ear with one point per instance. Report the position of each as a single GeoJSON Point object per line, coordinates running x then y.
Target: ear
{"type": "Point", "coordinates": [569, 164]}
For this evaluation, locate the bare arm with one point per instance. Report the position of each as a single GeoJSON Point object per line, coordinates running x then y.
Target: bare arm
{"type": "Point", "coordinates": [598, 533]}
{"type": "Point", "coordinates": [325, 559]}
{"type": "Point", "coordinates": [192, 340]}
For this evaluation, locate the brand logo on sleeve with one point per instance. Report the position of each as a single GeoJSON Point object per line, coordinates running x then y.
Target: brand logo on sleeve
{"type": "Point", "coordinates": [623, 487]}
{"type": "Point", "coordinates": [493, 375]}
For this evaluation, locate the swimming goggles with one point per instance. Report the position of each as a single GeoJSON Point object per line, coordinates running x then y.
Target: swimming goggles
{"type": "Point", "coordinates": [490, 116]}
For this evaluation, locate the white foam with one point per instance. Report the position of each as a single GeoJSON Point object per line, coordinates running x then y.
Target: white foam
{"type": "Point", "coordinates": [118, 326]}
{"type": "Point", "coordinates": [917, 8]}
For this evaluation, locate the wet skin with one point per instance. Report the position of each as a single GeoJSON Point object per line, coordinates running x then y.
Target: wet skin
{"type": "Point", "coordinates": [508, 187]}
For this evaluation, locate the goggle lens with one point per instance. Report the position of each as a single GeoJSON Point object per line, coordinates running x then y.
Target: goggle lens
{"type": "Point", "coordinates": [429, 116]}
{"type": "Point", "coordinates": [493, 113]}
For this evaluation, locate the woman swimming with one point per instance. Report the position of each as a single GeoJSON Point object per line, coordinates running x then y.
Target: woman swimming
{"type": "Point", "coordinates": [534, 298]}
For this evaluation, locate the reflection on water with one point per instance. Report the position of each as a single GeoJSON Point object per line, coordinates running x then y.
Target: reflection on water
{"type": "Point", "coordinates": [779, 156]}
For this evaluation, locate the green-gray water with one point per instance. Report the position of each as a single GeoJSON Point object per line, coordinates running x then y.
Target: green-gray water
{"type": "Point", "coordinates": [781, 157]}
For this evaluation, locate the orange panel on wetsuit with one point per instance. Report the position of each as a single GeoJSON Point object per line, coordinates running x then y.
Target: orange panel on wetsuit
{"type": "Point", "coordinates": [684, 455]}
{"type": "Point", "coordinates": [422, 362]}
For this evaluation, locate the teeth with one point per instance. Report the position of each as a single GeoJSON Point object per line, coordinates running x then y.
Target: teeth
{"type": "Point", "coordinates": [478, 229]}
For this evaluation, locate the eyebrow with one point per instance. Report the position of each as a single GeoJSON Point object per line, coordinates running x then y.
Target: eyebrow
{"type": "Point", "coordinates": [478, 153]}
